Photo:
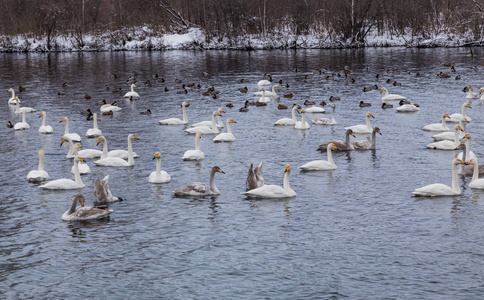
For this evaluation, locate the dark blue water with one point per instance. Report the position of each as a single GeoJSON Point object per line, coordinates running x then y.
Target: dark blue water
{"type": "Point", "coordinates": [354, 232]}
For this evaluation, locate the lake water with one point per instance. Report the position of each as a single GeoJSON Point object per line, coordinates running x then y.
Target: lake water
{"type": "Point", "coordinates": [355, 232]}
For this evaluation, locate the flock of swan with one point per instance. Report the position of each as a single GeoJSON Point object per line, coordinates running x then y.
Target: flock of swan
{"type": "Point", "coordinates": [255, 185]}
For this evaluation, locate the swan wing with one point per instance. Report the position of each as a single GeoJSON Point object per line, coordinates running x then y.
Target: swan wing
{"type": "Point", "coordinates": [193, 189]}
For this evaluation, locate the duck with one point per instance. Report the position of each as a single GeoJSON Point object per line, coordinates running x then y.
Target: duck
{"type": "Point", "coordinates": [315, 109]}
{"type": "Point", "coordinates": [326, 121]}
{"type": "Point", "coordinates": [229, 105]}
{"type": "Point", "coordinates": [446, 144]}
{"type": "Point", "coordinates": [9, 124]}
{"type": "Point", "coordinates": [146, 112]}
{"type": "Point", "coordinates": [101, 102]}
{"type": "Point", "coordinates": [303, 125]}
{"type": "Point", "coordinates": [384, 105]}
{"type": "Point", "coordinates": [333, 98]}
{"type": "Point", "coordinates": [19, 110]}
{"type": "Point", "coordinates": [407, 108]}
{"type": "Point", "coordinates": [439, 189]}
{"type": "Point", "coordinates": [13, 100]}
{"type": "Point", "coordinates": [290, 95]}
{"type": "Point", "coordinates": [22, 125]}
{"type": "Point", "coordinates": [73, 136]}
{"type": "Point", "coordinates": [243, 90]}
{"type": "Point", "coordinates": [364, 104]}
{"type": "Point", "coordinates": [64, 183]}
{"type": "Point", "coordinates": [40, 174]}
{"type": "Point", "coordinates": [108, 113]}
{"type": "Point", "coordinates": [245, 108]}
{"type": "Point", "coordinates": [274, 191]}
{"type": "Point", "coordinates": [132, 94]}
{"type": "Point", "coordinates": [308, 102]}
{"type": "Point", "coordinates": [85, 213]}
{"type": "Point", "coordinates": [196, 154]}
{"type": "Point", "coordinates": [281, 106]}
{"type": "Point", "coordinates": [260, 104]}
{"type": "Point", "coordinates": [322, 165]}
{"type": "Point", "coordinates": [225, 136]}
{"type": "Point", "coordinates": [219, 123]}
{"type": "Point", "coordinates": [21, 89]}
{"type": "Point", "coordinates": [86, 112]}
{"type": "Point", "coordinates": [273, 93]}
{"type": "Point", "coordinates": [255, 178]}
{"type": "Point", "coordinates": [200, 189]}
{"type": "Point", "coordinates": [457, 117]}
{"type": "Point", "coordinates": [363, 128]}
{"type": "Point", "coordinates": [264, 99]}
{"type": "Point", "coordinates": [87, 96]}
{"type": "Point", "coordinates": [159, 176]}
{"type": "Point", "coordinates": [94, 131]}
{"type": "Point", "coordinates": [442, 126]}
{"type": "Point", "coordinates": [176, 121]}
{"type": "Point", "coordinates": [341, 145]}
{"type": "Point", "coordinates": [204, 129]}
{"type": "Point", "coordinates": [389, 97]}
{"type": "Point", "coordinates": [366, 145]}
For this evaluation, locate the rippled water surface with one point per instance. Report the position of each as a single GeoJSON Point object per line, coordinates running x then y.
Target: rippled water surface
{"type": "Point", "coordinates": [354, 232]}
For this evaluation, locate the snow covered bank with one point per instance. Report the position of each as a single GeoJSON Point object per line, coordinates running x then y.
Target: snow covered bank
{"type": "Point", "coordinates": [145, 38]}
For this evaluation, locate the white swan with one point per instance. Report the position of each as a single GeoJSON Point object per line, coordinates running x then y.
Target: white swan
{"type": "Point", "coordinates": [64, 183]}
{"type": "Point", "coordinates": [442, 126]}
{"type": "Point", "coordinates": [289, 121]}
{"type": "Point", "coordinates": [83, 167]}
{"type": "Point", "coordinates": [117, 161]}
{"type": "Point", "coordinates": [274, 191]}
{"type": "Point", "coordinates": [450, 135]}
{"type": "Point", "coordinates": [13, 100]}
{"type": "Point", "coordinates": [159, 176]}
{"type": "Point", "coordinates": [22, 125]}
{"type": "Point", "coordinates": [326, 121]}
{"type": "Point", "coordinates": [468, 155]}
{"type": "Point", "coordinates": [321, 165]}
{"type": "Point", "coordinates": [476, 183]}
{"type": "Point", "coordinates": [315, 109]}
{"type": "Point", "coordinates": [225, 136]}
{"type": "Point", "coordinates": [268, 94]}
{"type": "Point", "coordinates": [200, 189]}
{"type": "Point", "coordinates": [124, 154]}
{"type": "Point", "coordinates": [457, 117]}
{"type": "Point", "coordinates": [254, 179]}
{"type": "Point", "coordinates": [407, 108]}
{"type": "Point", "coordinates": [303, 125]}
{"type": "Point", "coordinates": [446, 144]}
{"type": "Point", "coordinates": [264, 82]}
{"type": "Point", "coordinates": [176, 121]}
{"type": "Point", "coordinates": [40, 174]}
{"type": "Point", "coordinates": [439, 189]}
{"type": "Point", "coordinates": [45, 129]}
{"type": "Point", "coordinates": [94, 131]}
{"type": "Point", "coordinates": [102, 193]}
{"type": "Point", "coordinates": [363, 128]}
{"type": "Point", "coordinates": [93, 153]}
{"type": "Point", "coordinates": [196, 154]}
{"type": "Point", "coordinates": [109, 107]}
{"type": "Point", "coordinates": [70, 153]}
{"type": "Point", "coordinates": [83, 212]}
{"type": "Point", "coordinates": [264, 99]}
{"type": "Point", "coordinates": [366, 145]}
{"type": "Point", "coordinates": [209, 123]}
{"type": "Point", "coordinates": [132, 94]}
{"type": "Point", "coordinates": [470, 94]}
{"type": "Point", "coordinates": [19, 110]}
{"type": "Point", "coordinates": [481, 91]}
{"type": "Point", "coordinates": [389, 97]}
{"type": "Point", "coordinates": [73, 136]}
{"type": "Point", "coordinates": [204, 129]}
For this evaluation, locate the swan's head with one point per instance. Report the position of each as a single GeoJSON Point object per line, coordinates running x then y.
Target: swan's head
{"type": "Point", "coordinates": [78, 159]}
{"type": "Point", "coordinates": [217, 113]}
{"type": "Point", "coordinates": [457, 161]}
{"type": "Point", "coordinates": [481, 90]}
{"type": "Point", "coordinates": [10, 90]}
{"type": "Point", "coordinates": [467, 136]}
{"type": "Point", "coordinates": [473, 161]}
{"type": "Point", "coordinates": [80, 199]}
{"type": "Point", "coordinates": [100, 139]}
{"type": "Point", "coordinates": [134, 85]}
{"type": "Point", "coordinates": [157, 155]}
{"type": "Point", "coordinates": [232, 121]}
{"type": "Point", "coordinates": [465, 120]}
{"type": "Point", "coordinates": [350, 132]}
{"type": "Point", "coordinates": [302, 111]}
{"type": "Point", "coordinates": [382, 90]}
{"type": "Point", "coordinates": [332, 146]}
{"type": "Point", "coordinates": [42, 114]}
{"type": "Point", "coordinates": [185, 104]}
{"type": "Point", "coordinates": [77, 145]}
{"type": "Point", "coordinates": [65, 119]}
{"type": "Point", "coordinates": [445, 116]}
{"type": "Point", "coordinates": [65, 139]}
{"type": "Point", "coordinates": [457, 127]}
{"type": "Point", "coordinates": [377, 130]}
{"type": "Point", "coordinates": [217, 169]}
{"type": "Point", "coordinates": [276, 86]}
{"type": "Point", "coordinates": [468, 105]}
{"type": "Point", "coordinates": [287, 168]}
{"type": "Point", "coordinates": [262, 89]}
{"type": "Point", "coordinates": [369, 115]}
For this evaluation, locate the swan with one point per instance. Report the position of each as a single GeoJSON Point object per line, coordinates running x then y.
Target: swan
{"type": "Point", "coordinates": [132, 94]}
{"type": "Point", "coordinates": [303, 125]}
{"type": "Point", "coordinates": [362, 128]}
{"type": "Point", "coordinates": [22, 125]}
{"type": "Point", "coordinates": [176, 121]}
{"type": "Point", "coordinates": [46, 129]}
{"type": "Point", "coordinates": [117, 161]}
{"type": "Point", "coordinates": [93, 153]}
{"type": "Point", "coordinates": [468, 155]}
{"type": "Point", "coordinates": [83, 168]}
{"type": "Point", "coordinates": [446, 144]}
{"type": "Point", "coordinates": [450, 135]}
{"type": "Point", "coordinates": [196, 154]}
{"type": "Point", "coordinates": [407, 108]}
{"type": "Point", "coordinates": [264, 82]}
{"type": "Point", "coordinates": [73, 136]}
{"type": "Point", "coordinates": [109, 108]}
{"type": "Point", "coordinates": [254, 177]}
{"type": "Point", "coordinates": [268, 94]}
{"type": "Point", "coordinates": [470, 94]}
{"type": "Point", "coordinates": [159, 176]}
{"type": "Point", "coordinates": [264, 99]}
{"type": "Point", "coordinates": [289, 121]}
{"type": "Point", "coordinates": [457, 117]}
{"type": "Point", "coordinates": [200, 189]}
{"type": "Point", "coordinates": [102, 193]}
{"type": "Point", "coordinates": [13, 100]}
{"type": "Point", "coordinates": [366, 145]}
{"type": "Point", "coordinates": [389, 97]}
{"type": "Point", "coordinates": [70, 153]}
{"type": "Point", "coordinates": [342, 146]}
{"type": "Point", "coordinates": [481, 91]}
{"type": "Point", "coordinates": [64, 183]}
{"type": "Point", "coordinates": [204, 129]}
{"type": "Point", "coordinates": [85, 213]}
{"type": "Point", "coordinates": [94, 131]}
{"type": "Point", "coordinates": [40, 174]}
{"type": "Point", "coordinates": [19, 110]}
{"type": "Point", "coordinates": [442, 126]}
{"type": "Point", "coordinates": [209, 123]}
{"type": "Point", "coordinates": [476, 183]}
{"type": "Point", "coordinates": [225, 136]}
{"type": "Point", "coordinates": [124, 154]}
{"type": "Point", "coordinates": [326, 121]}
{"type": "Point", "coordinates": [315, 109]}
{"type": "Point", "coordinates": [322, 165]}
{"type": "Point", "coordinates": [439, 189]}
{"type": "Point", "coordinates": [274, 191]}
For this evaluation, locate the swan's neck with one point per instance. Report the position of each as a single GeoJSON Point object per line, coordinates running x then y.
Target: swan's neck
{"type": "Point", "coordinates": [67, 127]}
{"type": "Point", "coordinates": [303, 120]}
{"type": "Point", "coordinates": [43, 119]}
{"type": "Point", "coordinates": [229, 130]}
{"type": "Point", "coordinates": [158, 166]}
{"type": "Point", "coordinates": [71, 149]}
{"type": "Point", "coordinates": [373, 140]}
{"type": "Point", "coordinates": [197, 143]}
{"type": "Point", "coordinates": [13, 93]}
{"type": "Point", "coordinates": [219, 121]}
{"type": "Point", "coordinates": [24, 117]}
{"type": "Point", "coordinates": [348, 144]}
{"type": "Point", "coordinates": [330, 155]}
{"type": "Point", "coordinates": [77, 176]}
{"type": "Point", "coordinates": [286, 185]}
{"type": "Point", "coordinates": [443, 122]}
{"type": "Point", "coordinates": [73, 207]}
{"type": "Point", "coordinates": [467, 151]}
{"type": "Point", "coordinates": [213, 187]}
{"type": "Point", "coordinates": [456, 137]}
{"type": "Point", "coordinates": [132, 89]}
{"type": "Point", "coordinates": [294, 113]}
{"type": "Point", "coordinates": [464, 110]}
{"type": "Point", "coordinates": [475, 175]}
{"type": "Point", "coordinates": [41, 161]}
{"type": "Point", "coordinates": [94, 119]}
{"type": "Point", "coordinates": [105, 149]}
{"type": "Point", "coordinates": [274, 90]}
{"type": "Point", "coordinates": [332, 115]}
{"type": "Point", "coordinates": [368, 121]}
{"type": "Point", "coordinates": [386, 92]}
{"type": "Point", "coordinates": [185, 117]}
{"type": "Point", "coordinates": [130, 152]}
{"type": "Point", "coordinates": [17, 107]}
{"type": "Point", "coordinates": [455, 183]}
{"type": "Point", "coordinates": [214, 126]}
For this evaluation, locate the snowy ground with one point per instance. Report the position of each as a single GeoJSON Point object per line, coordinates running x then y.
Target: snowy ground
{"type": "Point", "coordinates": [145, 38]}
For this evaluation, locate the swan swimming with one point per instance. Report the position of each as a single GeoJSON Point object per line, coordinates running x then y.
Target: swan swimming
{"type": "Point", "coordinates": [274, 191]}
{"type": "Point", "coordinates": [439, 189]}
{"type": "Point", "coordinates": [255, 178]}
{"type": "Point", "coordinates": [176, 121]}
{"type": "Point", "coordinates": [322, 165]}
{"type": "Point", "coordinates": [326, 121]}
{"type": "Point", "coordinates": [64, 183]}
{"type": "Point", "coordinates": [132, 94]}
{"type": "Point", "coordinates": [22, 125]}
{"type": "Point", "coordinates": [289, 121]}
{"type": "Point", "coordinates": [362, 128]}
{"type": "Point", "coordinates": [83, 212]}
{"type": "Point", "coordinates": [201, 189]}
{"type": "Point", "coordinates": [102, 193]}
{"type": "Point", "coordinates": [159, 175]}
{"type": "Point", "coordinates": [94, 131]}
{"type": "Point", "coordinates": [389, 97]}
{"type": "Point", "coordinates": [196, 154]}
{"type": "Point", "coordinates": [442, 126]}
{"type": "Point", "coordinates": [303, 125]}
{"type": "Point", "coordinates": [73, 136]}
{"type": "Point", "coordinates": [225, 136]}
{"type": "Point", "coordinates": [45, 129]}
{"type": "Point", "coordinates": [40, 174]}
